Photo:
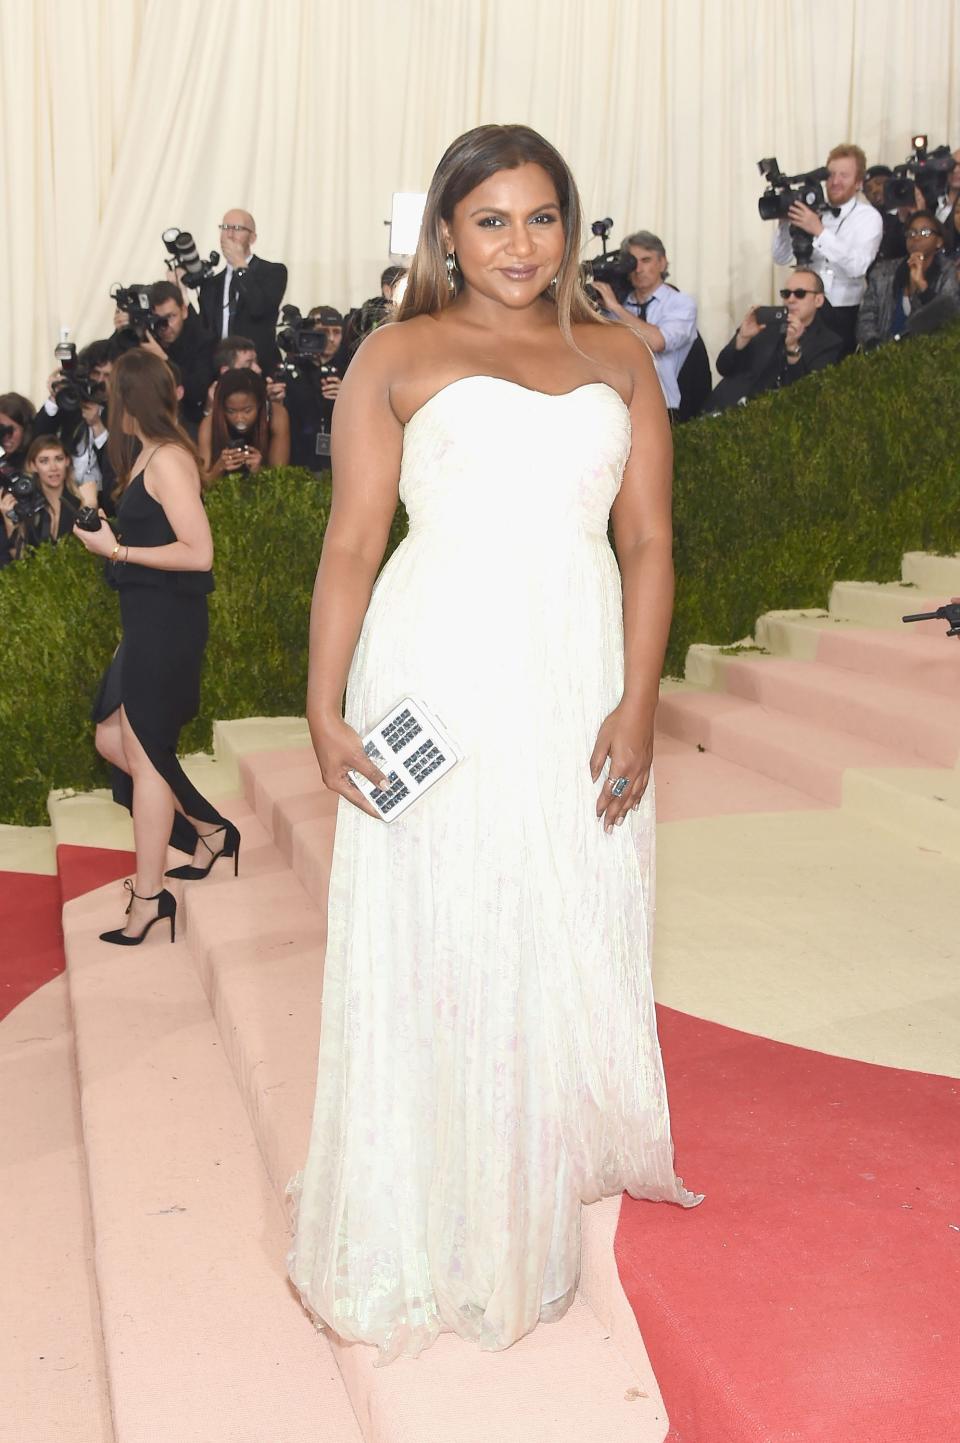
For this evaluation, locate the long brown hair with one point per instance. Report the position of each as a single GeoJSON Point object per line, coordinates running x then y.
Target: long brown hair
{"type": "Point", "coordinates": [142, 388]}
{"type": "Point", "coordinates": [239, 382]}
{"type": "Point", "coordinates": [468, 162]}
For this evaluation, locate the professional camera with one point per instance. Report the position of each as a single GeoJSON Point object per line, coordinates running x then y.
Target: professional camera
{"type": "Point", "coordinates": [77, 387]}
{"type": "Point", "coordinates": [614, 268]}
{"type": "Point", "coordinates": [135, 301]}
{"type": "Point", "coordinates": [927, 170]}
{"type": "Point", "coordinates": [184, 256]}
{"type": "Point", "coordinates": [300, 341]}
{"type": "Point", "coordinates": [28, 497]}
{"type": "Point", "coordinates": [783, 191]}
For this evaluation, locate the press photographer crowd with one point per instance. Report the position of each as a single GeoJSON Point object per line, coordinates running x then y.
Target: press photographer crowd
{"type": "Point", "coordinates": [874, 252]}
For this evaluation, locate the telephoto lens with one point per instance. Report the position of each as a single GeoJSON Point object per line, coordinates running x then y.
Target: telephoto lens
{"type": "Point", "coordinates": [88, 519]}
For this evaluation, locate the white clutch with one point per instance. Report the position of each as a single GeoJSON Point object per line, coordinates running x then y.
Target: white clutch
{"type": "Point", "coordinates": [414, 750]}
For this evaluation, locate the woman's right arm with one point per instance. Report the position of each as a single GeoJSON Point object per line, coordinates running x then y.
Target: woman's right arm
{"type": "Point", "coordinates": [367, 443]}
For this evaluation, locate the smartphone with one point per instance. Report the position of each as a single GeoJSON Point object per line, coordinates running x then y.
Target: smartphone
{"type": "Point", "coordinates": [771, 315]}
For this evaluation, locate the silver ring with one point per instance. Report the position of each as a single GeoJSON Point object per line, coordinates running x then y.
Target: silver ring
{"type": "Point", "coordinates": [620, 786]}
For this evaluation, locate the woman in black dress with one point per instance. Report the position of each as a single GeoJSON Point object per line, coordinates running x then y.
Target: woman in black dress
{"type": "Point", "coordinates": [160, 562]}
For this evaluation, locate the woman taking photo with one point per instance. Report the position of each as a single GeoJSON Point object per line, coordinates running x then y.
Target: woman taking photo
{"type": "Point", "coordinates": [48, 466]}
{"type": "Point", "coordinates": [244, 430]}
{"type": "Point", "coordinates": [488, 1052]}
{"type": "Point", "coordinates": [160, 562]}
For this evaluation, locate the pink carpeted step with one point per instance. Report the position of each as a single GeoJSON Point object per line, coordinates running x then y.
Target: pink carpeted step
{"type": "Point", "coordinates": [802, 754]}
{"type": "Point", "coordinates": [202, 1337]}
{"type": "Point", "coordinates": [692, 783]}
{"type": "Point", "coordinates": [891, 713]}
{"type": "Point", "coordinates": [929, 663]}
{"type": "Point", "coordinates": [258, 947]}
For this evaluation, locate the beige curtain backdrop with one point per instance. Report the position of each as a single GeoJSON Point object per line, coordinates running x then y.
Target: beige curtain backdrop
{"type": "Point", "coordinates": [123, 117]}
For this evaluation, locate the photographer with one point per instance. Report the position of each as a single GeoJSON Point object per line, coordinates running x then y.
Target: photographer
{"type": "Point", "coordinates": [74, 411]}
{"type": "Point", "coordinates": [312, 393]}
{"type": "Point", "coordinates": [898, 292]}
{"type": "Point", "coordinates": [763, 356]}
{"type": "Point", "coordinates": [845, 244]}
{"type": "Point", "coordinates": [244, 430]}
{"type": "Point", "coordinates": [50, 507]}
{"type": "Point", "coordinates": [16, 430]}
{"type": "Point", "coordinates": [181, 337]}
{"type": "Point", "coordinates": [952, 193]}
{"type": "Point", "coordinates": [663, 317]}
{"type": "Point", "coordinates": [245, 296]}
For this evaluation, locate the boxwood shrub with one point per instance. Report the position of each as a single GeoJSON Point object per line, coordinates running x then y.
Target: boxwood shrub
{"type": "Point", "coordinates": [835, 477]}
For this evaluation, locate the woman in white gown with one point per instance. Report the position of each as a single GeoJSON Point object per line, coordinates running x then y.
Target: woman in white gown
{"type": "Point", "coordinates": [488, 1054]}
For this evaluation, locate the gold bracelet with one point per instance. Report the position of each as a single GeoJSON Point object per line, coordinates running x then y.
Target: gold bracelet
{"type": "Point", "coordinates": [115, 552]}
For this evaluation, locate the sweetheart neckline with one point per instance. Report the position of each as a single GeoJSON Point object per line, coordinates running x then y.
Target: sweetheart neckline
{"type": "Point", "coordinates": [531, 390]}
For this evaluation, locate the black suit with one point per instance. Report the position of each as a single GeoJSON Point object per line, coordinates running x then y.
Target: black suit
{"type": "Point", "coordinates": [762, 364]}
{"type": "Point", "coordinates": [255, 307]}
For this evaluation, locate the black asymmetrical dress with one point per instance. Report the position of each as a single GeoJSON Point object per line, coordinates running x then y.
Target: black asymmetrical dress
{"type": "Point", "coordinates": [155, 672]}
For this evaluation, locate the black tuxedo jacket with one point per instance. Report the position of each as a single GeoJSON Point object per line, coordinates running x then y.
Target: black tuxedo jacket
{"type": "Point", "coordinates": [761, 365]}
{"type": "Point", "coordinates": [259, 294]}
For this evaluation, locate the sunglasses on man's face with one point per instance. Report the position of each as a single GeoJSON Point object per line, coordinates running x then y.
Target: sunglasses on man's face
{"type": "Point", "coordinates": [798, 294]}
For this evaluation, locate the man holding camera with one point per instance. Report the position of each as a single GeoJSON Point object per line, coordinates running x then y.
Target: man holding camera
{"type": "Point", "coordinates": [181, 337]}
{"type": "Point", "coordinates": [660, 315]}
{"type": "Point", "coordinates": [845, 239]}
{"type": "Point", "coordinates": [775, 346]}
{"type": "Point", "coordinates": [244, 298]}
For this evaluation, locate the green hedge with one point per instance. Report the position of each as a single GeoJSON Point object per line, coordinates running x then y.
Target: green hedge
{"type": "Point", "coordinates": [836, 477]}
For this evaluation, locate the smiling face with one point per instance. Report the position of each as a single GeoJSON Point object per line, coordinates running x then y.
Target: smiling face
{"type": "Point", "coordinates": [508, 236]}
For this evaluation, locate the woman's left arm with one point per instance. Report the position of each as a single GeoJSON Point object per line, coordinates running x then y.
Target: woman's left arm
{"type": "Point", "coordinates": [175, 484]}
{"type": "Point", "coordinates": [279, 450]}
{"type": "Point", "coordinates": [643, 536]}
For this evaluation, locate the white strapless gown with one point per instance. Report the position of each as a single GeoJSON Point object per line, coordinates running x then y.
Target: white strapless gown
{"type": "Point", "coordinates": [488, 1051]}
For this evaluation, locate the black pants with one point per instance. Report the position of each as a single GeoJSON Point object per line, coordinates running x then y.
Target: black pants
{"type": "Point", "coordinates": [843, 320]}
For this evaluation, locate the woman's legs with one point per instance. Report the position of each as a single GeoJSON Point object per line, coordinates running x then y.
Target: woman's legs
{"type": "Point", "coordinates": [109, 741]}
{"type": "Point", "coordinates": [153, 808]}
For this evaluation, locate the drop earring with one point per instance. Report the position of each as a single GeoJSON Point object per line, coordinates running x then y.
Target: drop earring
{"type": "Point", "coordinates": [451, 272]}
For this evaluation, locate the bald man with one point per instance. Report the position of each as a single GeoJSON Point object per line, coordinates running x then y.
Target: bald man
{"type": "Point", "coordinates": [244, 298]}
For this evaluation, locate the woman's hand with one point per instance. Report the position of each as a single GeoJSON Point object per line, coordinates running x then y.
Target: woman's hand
{"type": "Point", "coordinates": [917, 279]}
{"type": "Point", "coordinates": [231, 458]}
{"type": "Point", "coordinates": [339, 750]}
{"type": "Point", "coordinates": [99, 543]}
{"type": "Point", "coordinates": [626, 737]}
{"type": "Point", "coordinates": [252, 459]}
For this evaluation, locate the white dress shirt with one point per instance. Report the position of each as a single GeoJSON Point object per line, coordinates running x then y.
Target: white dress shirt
{"type": "Point", "coordinates": [225, 304]}
{"type": "Point", "coordinates": [675, 317]}
{"type": "Point", "coordinates": [842, 252]}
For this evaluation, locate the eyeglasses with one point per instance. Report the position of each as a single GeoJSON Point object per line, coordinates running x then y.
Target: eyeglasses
{"type": "Point", "coordinates": [236, 228]}
{"type": "Point", "coordinates": [798, 293]}
{"type": "Point", "coordinates": [925, 230]}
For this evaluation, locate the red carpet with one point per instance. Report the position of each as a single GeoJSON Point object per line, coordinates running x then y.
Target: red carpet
{"type": "Point", "coordinates": [30, 916]}
{"type": "Point", "coordinates": [814, 1297]}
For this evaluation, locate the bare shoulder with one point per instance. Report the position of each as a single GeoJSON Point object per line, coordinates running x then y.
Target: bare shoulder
{"type": "Point", "coordinates": [388, 350]}
{"type": "Point", "coordinates": [622, 358]}
{"type": "Point", "coordinates": [172, 467]}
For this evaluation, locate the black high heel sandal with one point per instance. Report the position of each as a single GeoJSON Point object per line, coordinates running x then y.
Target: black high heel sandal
{"type": "Point", "coordinates": [166, 910]}
{"type": "Point", "coordinates": [230, 848]}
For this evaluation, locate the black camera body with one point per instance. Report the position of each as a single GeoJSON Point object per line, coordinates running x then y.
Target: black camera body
{"type": "Point", "coordinates": [135, 300]}
{"type": "Point", "coordinates": [612, 268]}
{"type": "Point", "coordinates": [27, 495]}
{"type": "Point", "coordinates": [89, 519]}
{"type": "Point", "coordinates": [783, 191]}
{"type": "Point", "coordinates": [300, 341]}
{"type": "Point", "coordinates": [925, 170]}
{"type": "Point", "coordinates": [185, 257]}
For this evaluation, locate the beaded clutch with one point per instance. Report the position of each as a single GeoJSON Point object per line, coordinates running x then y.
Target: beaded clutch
{"type": "Point", "coordinates": [414, 750]}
